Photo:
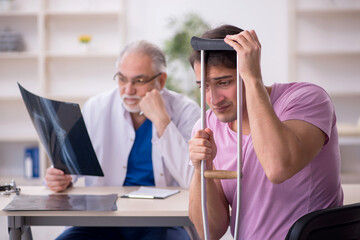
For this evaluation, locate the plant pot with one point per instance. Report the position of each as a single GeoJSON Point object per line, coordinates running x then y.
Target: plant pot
{"type": "Point", "coordinates": [84, 47]}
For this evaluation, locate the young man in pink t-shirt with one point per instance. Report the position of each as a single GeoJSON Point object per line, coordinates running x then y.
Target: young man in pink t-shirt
{"type": "Point", "coordinates": [291, 159]}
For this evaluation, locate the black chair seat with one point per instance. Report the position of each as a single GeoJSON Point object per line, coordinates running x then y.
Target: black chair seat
{"type": "Point", "coordinates": [337, 223]}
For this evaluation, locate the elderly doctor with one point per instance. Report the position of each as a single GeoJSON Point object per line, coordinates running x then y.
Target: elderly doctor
{"type": "Point", "coordinates": [139, 131]}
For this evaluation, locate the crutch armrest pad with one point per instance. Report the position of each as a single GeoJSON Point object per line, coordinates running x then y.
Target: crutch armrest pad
{"type": "Point", "coordinates": [210, 44]}
{"type": "Point", "coordinates": [220, 174]}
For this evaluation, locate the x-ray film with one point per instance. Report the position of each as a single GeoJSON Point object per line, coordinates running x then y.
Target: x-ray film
{"type": "Point", "coordinates": [62, 131]}
{"type": "Point", "coordinates": [63, 202]}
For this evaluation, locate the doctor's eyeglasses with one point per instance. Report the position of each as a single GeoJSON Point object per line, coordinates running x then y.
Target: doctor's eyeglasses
{"type": "Point", "coordinates": [138, 81]}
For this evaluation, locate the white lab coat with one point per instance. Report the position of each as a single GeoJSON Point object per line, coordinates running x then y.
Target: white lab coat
{"type": "Point", "coordinates": [112, 135]}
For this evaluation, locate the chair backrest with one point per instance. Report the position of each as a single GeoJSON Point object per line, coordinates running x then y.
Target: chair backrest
{"type": "Point", "coordinates": [340, 223]}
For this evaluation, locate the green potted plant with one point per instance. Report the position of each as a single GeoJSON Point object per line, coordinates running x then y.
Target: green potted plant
{"type": "Point", "coordinates": [177, 50]}
{"type": "Point", "coordinates": [84, 41]}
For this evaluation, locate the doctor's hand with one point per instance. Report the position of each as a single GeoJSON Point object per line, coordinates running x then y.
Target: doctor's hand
{"type": "Point", "coordinates": [56, 180]}
{"type": "Point", "coordinates": [153, 107]}
{"type": "Point", "coordinates": [248, 49]}
{"type": "Point", "coordinates": [202, 147]}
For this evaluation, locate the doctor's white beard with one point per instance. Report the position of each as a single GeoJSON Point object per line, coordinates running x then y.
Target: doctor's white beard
{"type": "Point", "coordinates": [135, 109]}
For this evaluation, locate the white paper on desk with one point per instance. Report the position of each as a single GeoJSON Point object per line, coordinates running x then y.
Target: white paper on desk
{"type": "Point", "coordinates": [150, 193]}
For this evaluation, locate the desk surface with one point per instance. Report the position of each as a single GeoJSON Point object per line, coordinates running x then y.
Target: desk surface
{"type": "Point", "coordinates": [176, 205]}
{"type": "Point", "coordinates": [172, 211]}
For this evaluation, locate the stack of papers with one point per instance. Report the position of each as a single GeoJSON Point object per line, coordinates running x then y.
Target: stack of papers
{"type": "Point", "coordinates": [151, 193]}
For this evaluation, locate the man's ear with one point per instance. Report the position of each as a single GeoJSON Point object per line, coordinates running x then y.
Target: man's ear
{"type": "Point", "coordinates": [162, 80]}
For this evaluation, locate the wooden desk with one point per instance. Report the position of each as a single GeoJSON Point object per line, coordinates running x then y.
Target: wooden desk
{"type": "Point", "coordinates": [172, 211]}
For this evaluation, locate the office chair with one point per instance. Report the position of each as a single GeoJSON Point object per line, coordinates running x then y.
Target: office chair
{"type": "Point", "coordinates": [340, 223]}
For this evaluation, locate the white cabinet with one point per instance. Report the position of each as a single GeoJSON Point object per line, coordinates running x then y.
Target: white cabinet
{"type": "Point", "coordinates": [324, 48]}
{"type": "Point", "coordinates": [53, 65]}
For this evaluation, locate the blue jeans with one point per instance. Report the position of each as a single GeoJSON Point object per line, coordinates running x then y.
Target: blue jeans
{"type": "Point", "coordinates": [131, 233]}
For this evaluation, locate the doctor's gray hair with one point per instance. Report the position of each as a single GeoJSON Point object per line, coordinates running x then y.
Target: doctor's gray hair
{"type": "Point", "coordinates": [146, 48]}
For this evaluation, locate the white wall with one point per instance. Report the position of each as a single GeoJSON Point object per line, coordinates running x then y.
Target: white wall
{"type": "Point", "coordinates": [148, 19]}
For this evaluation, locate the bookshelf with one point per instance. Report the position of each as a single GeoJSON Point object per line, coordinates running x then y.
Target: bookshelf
{"type": "Point", "coordinates": [324, 48]}
{"type": "Point", "coordinates": [54, 66]}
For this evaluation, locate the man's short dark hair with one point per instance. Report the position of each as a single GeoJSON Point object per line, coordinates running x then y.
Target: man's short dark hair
{"type": "Point", "coordinates": [217, 58]}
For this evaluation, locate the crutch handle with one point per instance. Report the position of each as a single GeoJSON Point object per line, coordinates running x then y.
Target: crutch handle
{"type": "Point", "coordinates": [210, 44]}
{"type": "Point", "coordinates": [220, 174]}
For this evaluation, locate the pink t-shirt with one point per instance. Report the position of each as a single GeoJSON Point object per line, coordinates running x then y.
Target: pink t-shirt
{"type": "Point", "coordinates": [268, 210]}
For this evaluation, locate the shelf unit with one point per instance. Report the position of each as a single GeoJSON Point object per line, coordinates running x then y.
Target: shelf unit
{"type": "Point", "coordinates": [54, 66]}
{"type": "Point", "coordinates": [324, 48]}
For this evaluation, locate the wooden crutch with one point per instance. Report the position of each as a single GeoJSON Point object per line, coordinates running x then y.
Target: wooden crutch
{"type": "Point", "coordinates": [202, 45]}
